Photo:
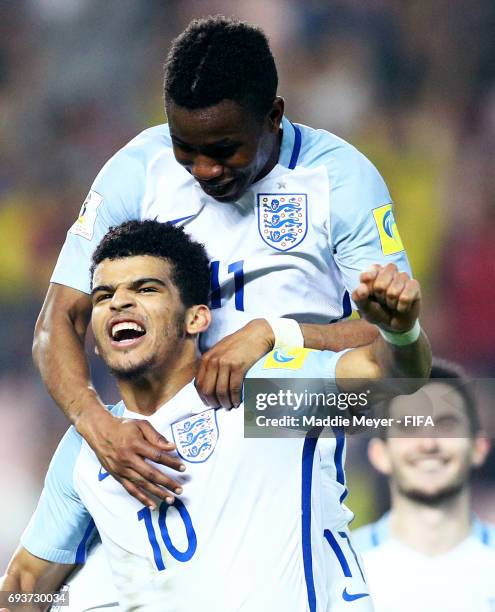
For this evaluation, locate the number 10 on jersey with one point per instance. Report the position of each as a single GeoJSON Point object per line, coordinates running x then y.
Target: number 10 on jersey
{"type": "Point", "coordinates": [192, 542]}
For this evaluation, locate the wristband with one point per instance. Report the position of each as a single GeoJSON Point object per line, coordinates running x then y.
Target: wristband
{"type": "Point", "coordinates": [402, 338]}
{"type": "Point", "coordinates": [287, 333]}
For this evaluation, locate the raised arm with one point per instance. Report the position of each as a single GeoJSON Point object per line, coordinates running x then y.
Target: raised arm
{"type": "Point", "coordinates": [121, 446]}
{"type": "Point", "coordinates": [58, 339]}
{"type": "Point", "coordinates": [390, 300]}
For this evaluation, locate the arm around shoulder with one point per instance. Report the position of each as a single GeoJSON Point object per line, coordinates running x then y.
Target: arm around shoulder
{"type": "Point", "coordinates": [58, 350]}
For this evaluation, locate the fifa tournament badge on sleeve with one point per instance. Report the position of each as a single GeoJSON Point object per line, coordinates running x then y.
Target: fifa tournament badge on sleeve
{"type": "Point", "coordinates": [85, 224]}
{"type": "Point", "coordinates": [290, 359]}
{"type": "Point", "coordinates": [387, 230]}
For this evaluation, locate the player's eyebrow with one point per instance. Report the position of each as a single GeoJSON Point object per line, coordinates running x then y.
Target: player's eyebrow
{"type": "Point", "coordinates": [147, 279]}
{"type": "Point", "coordinates": [134, 285]}
{"type": "Point", "coordinates": [224, 142]}
{"type": "Point", "coordinates": [107, 288]}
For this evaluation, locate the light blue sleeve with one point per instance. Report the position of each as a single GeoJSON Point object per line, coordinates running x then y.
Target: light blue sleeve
{"type": "Point", "coordinates": [61, 528]}
{"type": "Point", "coordinates": [297, 363]}
{"type": "Point", "coordinates": [306, 370]}
{"type": "Point", "coordinates": [115, 197]}
{"type": "Point", "coordinates": [362, 229]}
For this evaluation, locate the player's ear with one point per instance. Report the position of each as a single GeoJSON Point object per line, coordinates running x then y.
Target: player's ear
{"type": "Point", "coordinates": [378, 456]}
{"type": "Point", "coordinates": [197, 319]}
{"type": "Point", "coordinates": [275, 114]}
{"type": "Point", "coordinates": [481, 448]}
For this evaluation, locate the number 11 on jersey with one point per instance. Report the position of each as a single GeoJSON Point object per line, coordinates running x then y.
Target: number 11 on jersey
{"type": "Point", "coordinates": [237, 269]}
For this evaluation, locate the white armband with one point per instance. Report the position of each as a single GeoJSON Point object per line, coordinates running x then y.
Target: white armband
{"type": "Point", "coordinates": [287, 332]}
{"type": "Point", "coordinates": [402, 338]}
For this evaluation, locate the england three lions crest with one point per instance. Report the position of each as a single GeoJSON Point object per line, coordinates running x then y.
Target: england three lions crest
{"type": "Point", "coordinates": [283, 219]}
{"type": "Point", "coordinates": [196, 436]}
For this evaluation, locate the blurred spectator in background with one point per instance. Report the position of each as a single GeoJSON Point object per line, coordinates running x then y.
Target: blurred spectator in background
{"type": "Point", "coordinates": [430, 553]}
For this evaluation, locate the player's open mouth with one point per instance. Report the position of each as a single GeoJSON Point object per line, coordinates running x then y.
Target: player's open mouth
{"type": "Point", "coordinates": [220, 190]}
{"type": "Point", "coordinates": [126, 333]}
{"type": "Point", "coordinates": [431, 464]}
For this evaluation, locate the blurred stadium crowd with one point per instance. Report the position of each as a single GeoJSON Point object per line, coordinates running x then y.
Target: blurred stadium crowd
{"type": "Point", "coordinates": [410, 84]}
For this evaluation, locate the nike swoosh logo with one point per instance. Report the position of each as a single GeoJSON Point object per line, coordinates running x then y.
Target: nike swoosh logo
{"type": "Point", "coordinates": [352, 596]}
{"type": "Point", "coordinates": [174, 221]}
{"type": "Point", "coordinates": [102, 474]}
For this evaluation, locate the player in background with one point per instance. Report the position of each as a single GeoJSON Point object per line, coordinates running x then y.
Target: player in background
{"type": "Point", "coordinates": [289, 215]}
{"type": "Point", "coordinates": [248, 526]}
{"type": "Point", "coordinates": [429, 552]}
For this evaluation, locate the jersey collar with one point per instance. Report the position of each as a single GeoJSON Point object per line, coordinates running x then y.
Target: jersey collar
{"type": "Point", "coordinates": [184, 402]}
{"type": "Point", "coordinates": [291, 144]}
{"type": "Point", "coordinates": [380, 531]}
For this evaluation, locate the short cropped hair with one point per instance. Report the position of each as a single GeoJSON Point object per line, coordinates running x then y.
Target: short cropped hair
{"type": "Point", "coordinates": [452, 375]}
{"type": "Point", "coordinates": [217, 59]}
{"type": "Point", "coordinates": [188, 259]}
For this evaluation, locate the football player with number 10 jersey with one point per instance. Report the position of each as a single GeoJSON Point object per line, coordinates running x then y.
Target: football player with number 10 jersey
{"type": "Point", "coordinates": [249, 527]}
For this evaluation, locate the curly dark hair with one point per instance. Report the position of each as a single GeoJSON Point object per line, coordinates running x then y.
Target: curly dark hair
{"type": "Point", "coordinates": [220, 58]}
{"type": "Point", "coordinates": [188, 258]}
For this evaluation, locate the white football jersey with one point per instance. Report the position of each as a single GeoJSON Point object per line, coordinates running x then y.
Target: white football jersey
{"type": "Point", "coordinates": [404, 579]}
{"type": "Point", "coordinates": [293, 245]}
{"type": "Point", "coordinates": [90, 586]}
{"type": "Point", "coordinates": [258, 527]}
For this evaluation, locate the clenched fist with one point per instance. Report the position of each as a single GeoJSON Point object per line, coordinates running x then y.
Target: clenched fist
{"type": "Point", "coordinates": [388, 298]}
